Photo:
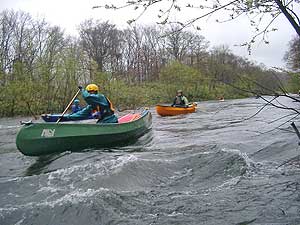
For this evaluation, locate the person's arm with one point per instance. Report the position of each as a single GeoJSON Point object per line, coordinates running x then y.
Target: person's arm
{"type": "Point", "coordinates": [84, 93]}
{"type": "Point", "coordinates": [94, 99]}
{"type": "Point", "coordinates": [174, 102]}
{"type": "Point", "coordinates": [186, 102]}
{"type": "Point", "coordinates": [82, 114]}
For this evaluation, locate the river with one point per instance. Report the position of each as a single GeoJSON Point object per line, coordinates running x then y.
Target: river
{"type": "Point", "coordinates": [217, 166]}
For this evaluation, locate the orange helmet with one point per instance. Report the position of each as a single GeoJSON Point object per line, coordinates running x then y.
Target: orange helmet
{"type": "Point", "coordinates": [92, 87]}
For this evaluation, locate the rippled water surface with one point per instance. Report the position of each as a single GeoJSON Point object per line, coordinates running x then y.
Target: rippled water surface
{"type": "Point", "coordinates": [214, 166]}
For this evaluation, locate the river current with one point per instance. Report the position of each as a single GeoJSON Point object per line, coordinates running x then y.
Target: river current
{"type": "Point", "coordinates": [217, 166]}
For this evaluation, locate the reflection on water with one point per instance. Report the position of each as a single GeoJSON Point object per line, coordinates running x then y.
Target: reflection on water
{"type": "Point", "coordinates": [41, 164]}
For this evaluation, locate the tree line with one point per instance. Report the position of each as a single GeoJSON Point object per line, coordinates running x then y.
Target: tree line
{"type": "Point", "coordinates": [41, 66]}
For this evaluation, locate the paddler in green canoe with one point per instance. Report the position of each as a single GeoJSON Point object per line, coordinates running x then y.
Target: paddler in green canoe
{"type": "Point", "coordinates": [75, 107]}
{"type": "Point", "coordinates": [180, 100]}
{"type": "Point", "coordinates": [97, 104]}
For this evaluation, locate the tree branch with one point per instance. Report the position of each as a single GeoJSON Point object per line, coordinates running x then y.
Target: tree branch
{"type": "Point", "coordinates": [288, 16]}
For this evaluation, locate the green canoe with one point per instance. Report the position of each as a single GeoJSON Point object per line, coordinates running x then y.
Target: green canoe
{"type": "Point", "coordinates": [36, 139]}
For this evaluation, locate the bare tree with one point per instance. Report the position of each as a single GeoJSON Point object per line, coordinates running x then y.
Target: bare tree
{"type": "Point", "coordinates": [219, 66]}
{"type": "Point", "coordinates": [292, 56]}
{"type": "Point", "coordinates": [13, 36]}
{"type": "Point", "coordinates": [143, 52]}
{"type": "Point", "coordinates": [152, 50]}
{"type": "Point", "coordinates": [197, 50]}
{"type": "Point", "coordinates": [98, 39]}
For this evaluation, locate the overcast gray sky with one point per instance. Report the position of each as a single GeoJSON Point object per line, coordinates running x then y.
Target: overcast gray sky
{"type": "Point", "coordinates": [68, 14]}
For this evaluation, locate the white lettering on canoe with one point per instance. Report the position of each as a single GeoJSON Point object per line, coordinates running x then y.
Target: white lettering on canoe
{"type": "Point", "coordinates": [48, 133]}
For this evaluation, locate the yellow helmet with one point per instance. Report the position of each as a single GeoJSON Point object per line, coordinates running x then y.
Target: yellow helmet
{"type": "Point", "coordinates": [92, 87]}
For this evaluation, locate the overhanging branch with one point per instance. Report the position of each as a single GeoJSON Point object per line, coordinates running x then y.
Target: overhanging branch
{"type": "Point", "coordinates": [288, 16]}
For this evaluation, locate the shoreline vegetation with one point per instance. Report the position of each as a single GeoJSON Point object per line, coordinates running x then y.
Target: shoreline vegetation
{"type": "Point", "coordinates": [41, 67]}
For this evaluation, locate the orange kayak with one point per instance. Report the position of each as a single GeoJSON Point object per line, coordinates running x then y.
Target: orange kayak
{"type": "Point", "coordinates": [167, 110]}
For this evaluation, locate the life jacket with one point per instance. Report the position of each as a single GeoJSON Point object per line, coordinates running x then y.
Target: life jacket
{"type": "Point", "coordinates": [179, 100]}
{"type": "Point", "coordinates": [75, 108]}
{"type": "Point", "coordinates": [101, 113]}
{"type": "Point", "coordinates": [110, 105]}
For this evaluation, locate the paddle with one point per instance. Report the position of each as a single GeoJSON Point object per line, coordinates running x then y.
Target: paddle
{"type": "Point", "coordinates": [68, 106]}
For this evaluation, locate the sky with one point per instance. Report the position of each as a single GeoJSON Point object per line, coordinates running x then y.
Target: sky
{"type": "Point", "coordinates": [68, 14]}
